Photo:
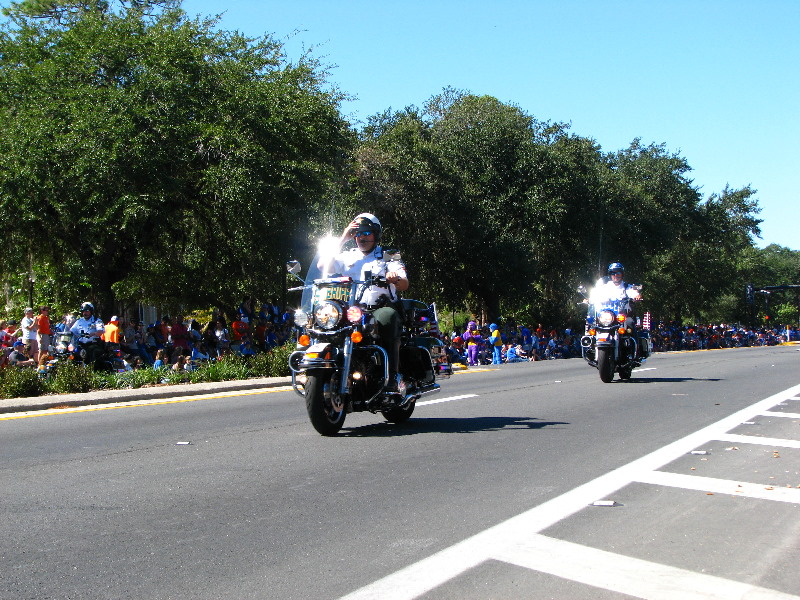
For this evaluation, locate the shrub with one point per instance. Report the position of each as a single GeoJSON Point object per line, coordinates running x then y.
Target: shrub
{"type": "Point", "coordinates": [72, 379]}
{"type": "Point", "coordinates": [279, 360]}
{"type": "Point", "coordinates": [18, 382]}
{"type": "Point", "coordinates": [260, 364]}
{"type": "Point", "coordinates": [141, 377]}
{"type": "Point", "coordinates": [173, 377]}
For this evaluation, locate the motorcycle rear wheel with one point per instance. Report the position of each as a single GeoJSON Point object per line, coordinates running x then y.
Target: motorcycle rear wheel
{"type": "Point", "coordinates": [605, 364]}
{"type": "Point", "coordinates": [325, 418]}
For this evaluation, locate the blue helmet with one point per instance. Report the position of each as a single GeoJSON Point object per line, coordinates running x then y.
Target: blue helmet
{"type": "Point", "coordinates": [615, 268]}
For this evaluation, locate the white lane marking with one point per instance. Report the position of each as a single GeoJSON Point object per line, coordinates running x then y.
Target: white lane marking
{"type": "Point", "coordinates": [758, 441]}
{"type": "Point", "coordinates": [428, 573]}
{"type": "Point", "coordinates": [775, 413]}
{"type": "Point", "coordinates": [626, 575]}
{"type": "Point", "coordinates": [449, 399]}
{"type": "Point", "coordinates": [647, 369]}
{"type": "Point", "coordinates": [721, 486]}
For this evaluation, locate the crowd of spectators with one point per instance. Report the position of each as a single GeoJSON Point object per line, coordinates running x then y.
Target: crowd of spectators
{"type": "Point", "coordinates": [179, 343]}
{"type": "Point", "coordinates": [522, 343]}
{"type": "Point", "coordinates": [172, 342]}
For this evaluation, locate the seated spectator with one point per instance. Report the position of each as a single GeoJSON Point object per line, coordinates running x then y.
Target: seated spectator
{"type": "Point", "coordinates": [200, 353]}
{"type": "Point", "coordinates": [239, 329]}
{"type": "Point", "coordinates": [512, 354]}
{"type": "Point", "coordinates": [19, 356]}
{"type": "Point", "coordinates": [6, 339]}
{"type": "Point", "coordinates": [159, 362]}
{"type": "Point", "coordinates": [245, 348]}
{"type": "Point", "coordinates": [150, 343]}
{"type": "Point", "coordinates": [180, 363]}
{"type": "Point", "coordinates": [223, 344]}
{"type": "Point", "coordinates": [44, 363]}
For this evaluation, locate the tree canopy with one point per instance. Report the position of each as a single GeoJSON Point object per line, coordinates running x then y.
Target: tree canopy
{"type": "Point", "coordinates": [160, 159]}
{"type": "Point", "coordinates": [150, 157]}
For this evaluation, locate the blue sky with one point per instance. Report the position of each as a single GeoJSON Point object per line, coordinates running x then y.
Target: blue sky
{"type": "Point", "coordinates": [716, 81]}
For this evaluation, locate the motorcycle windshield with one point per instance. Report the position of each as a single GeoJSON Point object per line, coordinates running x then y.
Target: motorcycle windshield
{"type": "Point", "coordinates": [320, 268]}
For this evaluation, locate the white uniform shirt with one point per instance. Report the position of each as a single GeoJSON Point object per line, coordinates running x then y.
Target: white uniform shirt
{"type": "Point", "coordinates": [354, 263]}
{"type": "Point", "coordinates": [609, 291]}
{"type": "Point", "coordinates": [83, 327]}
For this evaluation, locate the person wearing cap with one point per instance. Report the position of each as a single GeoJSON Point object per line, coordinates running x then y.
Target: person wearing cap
{"type": "Point", "coordinates": [29, 329]}
{"type": "Point", "coordinates": [111, 332]}
{"type": "Point", "coordinates": [368, 257]}
{"type": "Point", "coordinates": [19, 356]}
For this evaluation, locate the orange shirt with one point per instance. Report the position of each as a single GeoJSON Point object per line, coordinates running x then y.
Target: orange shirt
{"type": "Point", "coordinates": [111, 333]}
{"type": "Point", "coordinates": [44, 325]}
{"type": "Point", "coordinates": [239, 329]}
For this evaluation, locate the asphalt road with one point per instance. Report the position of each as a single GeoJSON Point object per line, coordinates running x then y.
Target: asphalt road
{"type": "Point", "coordinates": [487, 492]}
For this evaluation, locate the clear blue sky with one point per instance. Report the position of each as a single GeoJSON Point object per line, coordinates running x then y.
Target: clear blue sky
{"type": "Point", "coordinates": [716, 81]}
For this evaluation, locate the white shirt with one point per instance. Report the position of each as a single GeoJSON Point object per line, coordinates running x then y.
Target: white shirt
{"type": "Point", "coordinates": [354, 263]}
{"type": "Point", "coordinates": [82, 327]}
{"type": "Point", "coordinates": [27, 327]}
{"type": "Point", "coordinates": [610, 291]}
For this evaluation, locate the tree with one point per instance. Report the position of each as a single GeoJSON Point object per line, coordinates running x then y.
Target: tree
{"type": "Point", "coordinates": [167, 159]}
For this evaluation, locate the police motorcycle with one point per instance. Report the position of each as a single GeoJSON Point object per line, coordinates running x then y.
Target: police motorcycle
{"type": "Point", "coordinates": [339, 368]}
{"type": "Point", "coordinates": [610, 343]}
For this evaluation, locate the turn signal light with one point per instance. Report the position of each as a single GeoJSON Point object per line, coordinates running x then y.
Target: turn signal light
{"type": "Point", "coordinates": [356, 336]}
{"type": "Point", "coordinates": [304, 340]}
{"type": "Point", "coordinates": [621, 317]}
{"type": "Point", "coordinates": [592, 332]}
{"type": "Point", "coordinates": [621, 331]}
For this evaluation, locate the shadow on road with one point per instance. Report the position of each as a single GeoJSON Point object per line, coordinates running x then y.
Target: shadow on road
{"type": "Point", "coordinates": [447, 425]}
{"type": "Point", "coordinates": [636, 379]}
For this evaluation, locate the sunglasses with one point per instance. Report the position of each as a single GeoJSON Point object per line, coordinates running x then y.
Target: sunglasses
{"type": "Point", "coordinates": [362, 233]}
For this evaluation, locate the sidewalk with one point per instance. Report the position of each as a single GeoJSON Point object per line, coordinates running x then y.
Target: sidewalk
{"type": "Point", "coordinates": [12, 405]}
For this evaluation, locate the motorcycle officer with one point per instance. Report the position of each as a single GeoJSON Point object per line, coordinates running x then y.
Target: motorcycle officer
{"type": "Point", "coordinates": [86, 330]}
{"type": "Point", "coordinates": [367, 258]}
{"type": "Point", "coordinates": [616, 289]}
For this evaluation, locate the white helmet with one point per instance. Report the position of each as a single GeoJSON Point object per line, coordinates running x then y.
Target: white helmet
{"type": "Point", "coordinates": [369, 222]}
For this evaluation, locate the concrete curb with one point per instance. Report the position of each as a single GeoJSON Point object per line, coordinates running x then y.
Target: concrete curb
{"type": "Point", "coordinates": [12, 405]}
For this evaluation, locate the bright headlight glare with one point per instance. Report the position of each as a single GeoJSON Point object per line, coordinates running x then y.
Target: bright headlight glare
{"type": "Point", "coordinates": [606, 317]}
{"type": "Point", "coordinates": [354, 314]}
{"type": "Point", "coordinates": [327, 315]}
{"type": "Point", "coordinates": [300, 317]}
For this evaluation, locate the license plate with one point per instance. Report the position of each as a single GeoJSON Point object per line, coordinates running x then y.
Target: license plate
{"type": "Point", "coordinates": [334, 292]}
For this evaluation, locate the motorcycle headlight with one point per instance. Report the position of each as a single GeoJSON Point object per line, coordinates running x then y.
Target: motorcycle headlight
{"type": "Point", "coordinates": [606, 317]}
{"type": "Point", "coordinates": [327, 315]}
{"type": "Point", "coordinates": [300, 317]}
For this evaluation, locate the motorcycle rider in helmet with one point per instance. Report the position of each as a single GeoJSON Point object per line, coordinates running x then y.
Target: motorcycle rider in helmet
{"type": "Point", "coordinates": [616, 288]}
{"type": "Point", "coordinates": [367, 257]}
{"type": "Point", "coordinates": [86, 330]}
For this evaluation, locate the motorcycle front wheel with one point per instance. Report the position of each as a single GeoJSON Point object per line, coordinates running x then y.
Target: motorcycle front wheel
{"type": "Point", "coordinates": [605, 364]}
{"type": "Point", "coordinates": [326, 418]}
